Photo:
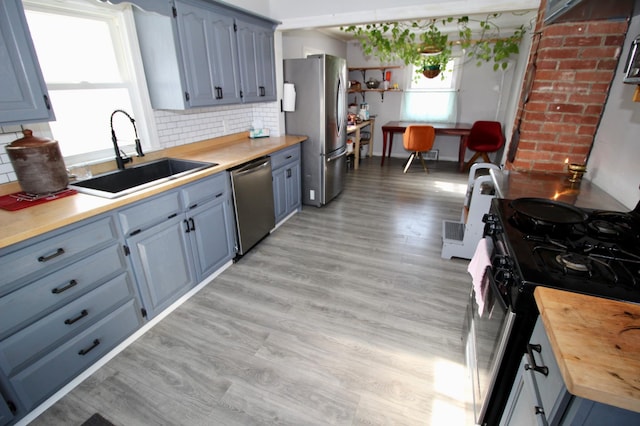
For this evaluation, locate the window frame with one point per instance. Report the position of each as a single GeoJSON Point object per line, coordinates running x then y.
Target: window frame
{"type": "Point", "coordinates": [129, 60]}
{"type": "Point", "coordinates": [410, 92]}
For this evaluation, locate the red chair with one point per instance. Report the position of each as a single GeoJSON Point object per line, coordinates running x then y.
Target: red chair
{"type": "Point", "coordinates": [418, 139]}
{"type": "Point", "coordinates": [485, 137]}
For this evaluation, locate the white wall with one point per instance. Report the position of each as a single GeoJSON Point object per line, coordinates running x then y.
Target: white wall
{"type": "Point", "coordinates": [300, 43]}
{"type": "Point", "coordinates": [614, 163]}
{"type": "Point", "coordinates": [484, 95]}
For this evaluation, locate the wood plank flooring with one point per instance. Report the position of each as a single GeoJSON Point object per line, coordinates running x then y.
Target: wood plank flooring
{"type": "Point", "coordinates": [345, 315]}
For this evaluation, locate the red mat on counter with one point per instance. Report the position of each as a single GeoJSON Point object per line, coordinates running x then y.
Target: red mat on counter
{"type": "Point", "coordinates": [22, 200]}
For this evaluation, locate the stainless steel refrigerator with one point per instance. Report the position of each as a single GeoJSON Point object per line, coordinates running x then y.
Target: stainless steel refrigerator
{"type": "Point", "coordinates": [321, 114]}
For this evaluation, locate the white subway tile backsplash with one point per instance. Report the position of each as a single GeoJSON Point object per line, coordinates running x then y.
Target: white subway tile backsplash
{"type": "Point", "coordinates": [179, 127]}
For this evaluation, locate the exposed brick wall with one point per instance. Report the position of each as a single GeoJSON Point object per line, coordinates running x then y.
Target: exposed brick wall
{"type": "Point", "coordinates": [575, 65]}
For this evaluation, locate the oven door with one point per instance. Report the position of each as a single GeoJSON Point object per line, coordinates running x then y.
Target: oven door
{"type": "Point", "coordinates": [486, 340]}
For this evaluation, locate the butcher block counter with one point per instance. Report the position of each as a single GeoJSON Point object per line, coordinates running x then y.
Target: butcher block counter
{"type": "Point", "coordinates": [596, 343]}
{"type": "Point", "coordinates": [227, 151]}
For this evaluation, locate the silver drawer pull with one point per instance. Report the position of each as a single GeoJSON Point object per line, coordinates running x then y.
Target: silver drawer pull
{"type": "Point", "coordinates": [90, 348]}
{"type": "Point", "coordinates": [57, 290]}
{"type": "Point", "coordinates": [51, 256]}
{"type": "Point", "coordinates": [83, 314]}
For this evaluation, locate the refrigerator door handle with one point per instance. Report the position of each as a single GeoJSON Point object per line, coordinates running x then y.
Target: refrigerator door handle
{"type": "Point", "coordinates": [335, 157]}
{"type": "Point", "coordinates": [340, 102]}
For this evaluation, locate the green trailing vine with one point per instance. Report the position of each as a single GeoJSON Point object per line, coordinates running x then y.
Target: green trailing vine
{"type": "Point", "coordinates": [423, 44]}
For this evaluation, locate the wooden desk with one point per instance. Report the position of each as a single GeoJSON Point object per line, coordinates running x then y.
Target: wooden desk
{"type": "Point", "coordinates": [356, 142]}
{"type": "Point", "coordinates": [450, 129]}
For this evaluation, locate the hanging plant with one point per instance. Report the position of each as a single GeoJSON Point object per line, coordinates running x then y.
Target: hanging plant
{"type": "Point", "coordinates": [423, 44]}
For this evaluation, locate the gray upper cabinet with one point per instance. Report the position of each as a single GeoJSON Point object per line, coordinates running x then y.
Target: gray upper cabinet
{"type": "Point", "coordinates": [23, 92]}
{"type": "Point", "coordinates": [209, 53]}
{"type": "Point", "coordinates": [201, 53]}
{"type": "Point", "coordinates": [257, 60]}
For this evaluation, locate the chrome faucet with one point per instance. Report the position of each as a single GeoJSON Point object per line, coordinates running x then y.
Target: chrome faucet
{"type": "Point", "coordinates": [121, 157]}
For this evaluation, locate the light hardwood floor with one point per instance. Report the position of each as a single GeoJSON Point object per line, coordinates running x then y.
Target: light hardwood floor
{"type": "Point", "coordinates": [344, 315]}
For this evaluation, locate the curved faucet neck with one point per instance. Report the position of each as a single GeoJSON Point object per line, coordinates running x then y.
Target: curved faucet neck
{"type": "Point", "coordinates": [121, 157]}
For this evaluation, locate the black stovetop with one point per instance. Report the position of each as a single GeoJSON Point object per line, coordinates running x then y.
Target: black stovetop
{"type": "Point", "coordinates": [598, 256]}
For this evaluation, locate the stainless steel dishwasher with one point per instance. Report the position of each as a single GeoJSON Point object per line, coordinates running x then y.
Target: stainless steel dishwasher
{"type": "Point", "coordinates": [253, 202]}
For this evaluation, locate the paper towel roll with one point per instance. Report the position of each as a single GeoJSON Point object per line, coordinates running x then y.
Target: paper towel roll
{"type": "Point", "coordinates": [289, 98]}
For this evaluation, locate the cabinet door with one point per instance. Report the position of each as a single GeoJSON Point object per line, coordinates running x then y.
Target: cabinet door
{"type": "Point", "coordinates": [523, 406]}
{"type": "Point", "coordinates": [212, 240]}
{"type": "Point", "coordinates": [192, 29]}
{"type": "Point", "coordinates": [162, 263]}
{"type": "Point", "coordinates": [279, 193]}
{"type": "Point", "coordinates": [209, 53]}
{"type": "Point", "coordinates": [23, 93]}
{"type": "Point", "coordinates": [257, 63]}
{"type": "Point", "coordinates": [5, 413]}
{"type": "Point", "coordinates": [293, 187]}
{"type": "Point", "coordinates": [224, 54]}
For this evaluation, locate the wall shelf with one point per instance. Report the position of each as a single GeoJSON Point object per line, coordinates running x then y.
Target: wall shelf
{"type": "Point", "coordinates": [363, 71]}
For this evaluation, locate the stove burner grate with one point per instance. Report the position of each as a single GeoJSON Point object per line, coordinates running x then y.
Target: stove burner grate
{"type": "Point", "coordinates": [574, 262]}
{"type": "Point", "coordinates": [611, 226]}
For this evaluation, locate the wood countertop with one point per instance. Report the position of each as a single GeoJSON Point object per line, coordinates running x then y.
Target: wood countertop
{"type": "Point", "coordinates": [227, 151]}
{"type": "Point", "coordinates": [596, 342]}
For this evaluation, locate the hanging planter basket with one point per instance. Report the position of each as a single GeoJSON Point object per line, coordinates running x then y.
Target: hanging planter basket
{"type": "Point", "coordinates": [431, 72]}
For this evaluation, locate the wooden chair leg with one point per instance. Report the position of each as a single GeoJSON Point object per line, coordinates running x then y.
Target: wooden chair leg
{"type": "Point", "coordinates": [485, 157]}
{"type": "Point", "coordinates": [473, 160]}
{"type": "Point", "coordinates": [424, 166]}
{"type": "Point", "coordinates": [409, 161]}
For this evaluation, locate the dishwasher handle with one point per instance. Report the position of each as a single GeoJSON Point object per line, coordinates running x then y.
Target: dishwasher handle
{"type": "Point", "coordinates": [252, 167]}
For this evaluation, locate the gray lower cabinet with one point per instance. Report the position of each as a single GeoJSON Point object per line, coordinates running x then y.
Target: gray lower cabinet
{"type": "Point", "coordinates": [539, 395]}
{"type": "Point", "coordinates": [162, 264]}
{"type": "Point", "coordinates": [66, 299]}
{"type": "Point", "coordinates": [197, 53]}
{"type": "Point", "coordinates": [287, 190]}
{"type": "Point", "coordinates": [178, 238]}
{"type": "Point", "coordinates": [212, 239]}
{"type": "Point", "coordinates": [23, 92]}
{"type": "Point", "coordinates": [6, 415]}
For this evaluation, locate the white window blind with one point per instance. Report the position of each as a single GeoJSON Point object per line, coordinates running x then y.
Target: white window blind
{"type": "Point", "coordinates": [432, 99]}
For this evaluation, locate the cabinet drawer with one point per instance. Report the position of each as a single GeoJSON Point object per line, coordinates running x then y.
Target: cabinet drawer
{"type": "Point", "coordinates": [147, 213]}
{"type": "Point", "coordinates": [39, 298]}
{"type": "Point", "coordinates": [41, 379]}
{"type": "Point", "coordinates": [216, 186]}
{"type": "Point", "coordinates": [553, 393]}
{"type": "Point", "coordinates": [23, 346]}
{"type": "Point", "coordinates": [57, 250]}
{"type": "Point", "coordinates": [285, 156]}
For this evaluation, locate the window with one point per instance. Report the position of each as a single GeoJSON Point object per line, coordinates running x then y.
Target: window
{"type": "Point", "coordinates": [84, 53]}
{"type": "Point", "coordinates": [432, 99]}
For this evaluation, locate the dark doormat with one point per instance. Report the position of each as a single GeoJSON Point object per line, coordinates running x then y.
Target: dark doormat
{"type": "Point", "coordinates": [97, 420]}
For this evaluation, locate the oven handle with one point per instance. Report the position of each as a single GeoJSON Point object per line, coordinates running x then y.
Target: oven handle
{"type": "Point", "coordinates": [496, 290]}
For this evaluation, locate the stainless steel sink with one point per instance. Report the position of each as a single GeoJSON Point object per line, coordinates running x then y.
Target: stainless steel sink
{"type": "Point", "coordinates": [127, 181]}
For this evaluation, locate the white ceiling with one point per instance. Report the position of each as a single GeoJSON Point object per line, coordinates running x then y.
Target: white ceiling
{"type": "Point", "coordinates": [314, 14]}
{"type": "Point", "coordinates": [506, 21]}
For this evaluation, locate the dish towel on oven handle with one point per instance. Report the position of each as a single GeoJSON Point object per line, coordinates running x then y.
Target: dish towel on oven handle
{"type": "Point", "coordinates": [480, 261]}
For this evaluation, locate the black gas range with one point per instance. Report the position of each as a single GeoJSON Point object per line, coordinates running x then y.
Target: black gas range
{"type": "Point", "coordinates": [552, 244]}
{"type": "Point", "coordinates": [541, 242]}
